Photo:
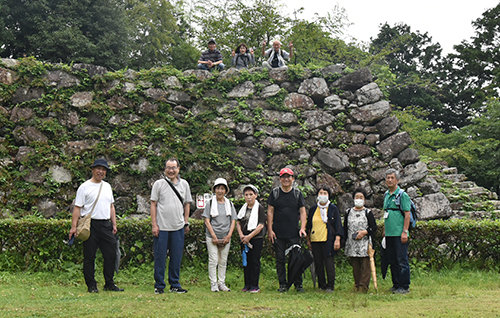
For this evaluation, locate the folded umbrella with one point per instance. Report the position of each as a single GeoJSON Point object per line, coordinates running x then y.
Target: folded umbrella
{"type": "Point", "coordinates": [298, 262]}
{"type": "Point", "coordinates": [384, 262]}
{"type": "Point", "coordinates": [313, 271]}
{"type": "Point", "coordinates": [118, 255]}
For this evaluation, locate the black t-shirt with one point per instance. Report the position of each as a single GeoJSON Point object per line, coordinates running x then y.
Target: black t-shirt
{"type": "Point", "coordinates": [261, 220]}
{"type": "Point", "coordinates": [286, 213]}
{"type": "Point", "coordinates": [275, 61]}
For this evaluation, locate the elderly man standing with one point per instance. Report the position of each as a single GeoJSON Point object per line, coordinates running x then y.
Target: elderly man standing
{"type": "Point", "coordinates": [96, 196]}
{"type": "Point", "coordinates": [276, 56]}
{"type": "Point", "coordinates": [286, 205]}
{"type": "Point", "coordinates": [170, 203]}
{"type": "Point", "coordinates": [396, 223]}
{"type": "Point", "coordinates": [211, 58]}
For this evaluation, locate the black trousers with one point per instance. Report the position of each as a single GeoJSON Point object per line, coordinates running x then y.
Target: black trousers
{"type": "Point", "coordinates": [280, 245]}
{"type": "Point", "coordinates": [102, 237]}
{"type": "Point", "coordinates": [322, 263]}
{"type": "Point", "coordinates": [252, 270]}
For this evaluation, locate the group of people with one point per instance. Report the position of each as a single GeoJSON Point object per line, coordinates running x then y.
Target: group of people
{"type": "Point", "coordinates": [286, 222]}
{"type": "Point", "coordinates": [243, 57]}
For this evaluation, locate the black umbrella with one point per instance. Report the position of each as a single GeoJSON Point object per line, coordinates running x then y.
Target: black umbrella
{"type": "Point", "coordinates": [118, 255]}
{"type": "Point", "coordinates": [384, 261]}
{"type": "Point", "coordinates": [298, 261]}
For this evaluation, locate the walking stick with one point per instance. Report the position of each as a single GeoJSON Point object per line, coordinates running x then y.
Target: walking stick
{"type": "Point", "coordinates": [371, 252]}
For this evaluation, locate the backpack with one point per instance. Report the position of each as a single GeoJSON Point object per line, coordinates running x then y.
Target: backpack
{"type": "Point", "coordinates": [413, 207]}
{"type": "Point", "coordinates": [276, 193]}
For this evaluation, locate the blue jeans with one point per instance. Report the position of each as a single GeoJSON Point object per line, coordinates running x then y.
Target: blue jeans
{"type": "Point", "coordinates": [173, 241]}
{"type": "Point", "coordinates": [205, 67]}
{"type": "Point", "coordinates": [397, 254]}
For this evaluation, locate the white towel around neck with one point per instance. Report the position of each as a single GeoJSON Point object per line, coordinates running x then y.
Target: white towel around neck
{"type": "Point", "coordinates": [254, 215]}
{"type": "Point", "coordinates": [214, 211]}
{"type": "Point", "coordinates": [323, 210]}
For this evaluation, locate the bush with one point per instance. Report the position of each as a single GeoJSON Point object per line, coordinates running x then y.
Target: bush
{"type": "Point", "coordinates": [39, 244]}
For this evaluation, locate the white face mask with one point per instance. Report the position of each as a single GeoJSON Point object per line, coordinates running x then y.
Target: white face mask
{"type": "Point", "coordinates": [359, 203]}
{"type": "Point", "coordinates": [322, 199]}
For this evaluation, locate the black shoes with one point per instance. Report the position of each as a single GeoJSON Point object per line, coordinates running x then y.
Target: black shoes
{"type": "Point", "coordinates": [159, 291]}
{"type": "Point", "coordinates": [113, 288]}
{"type": "Point", "coordinates": [178, 290]}
{"type": "Point", "coordinates": [283, 289]}
{"type": "Point", "coordinates": [93, 289]}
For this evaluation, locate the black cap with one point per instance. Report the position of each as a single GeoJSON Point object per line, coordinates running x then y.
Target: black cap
{"type": "Point", "coordinates": [211, 41]}
{"type": "Point", "coordinates": [100, 163]}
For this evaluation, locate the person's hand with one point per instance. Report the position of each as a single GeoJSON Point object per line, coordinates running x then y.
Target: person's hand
{"type": "Point", "coordinates": [404, 237]}
{"type": "Point", "coordinates": [186, 229]}
{"type": "Point", "coordinates": [233, 53]}
{"type": "Point", "coordinates": [302, 233]}
{"type": "Point", "coordinates": [156, 230]}
{"type": "Point", "coordinates": [290, 45]}
{"type": "Point", "coordinates": [251, 51]}
{"type": "Point", "coordinates": [114, 229]}
{"type": "Point", "coordinates": [264, 43]}
{"type": "Point", "coordinates": [210, 63]}
{"type": "Point", "coordinates": [336, 244]}
{"type": "Point", "coordinates": [72, 232]}
{"type": "Point", "coordinates": [226, 240]}
{"type": "Point", "coordinates": [215, 240]}
{"type": "Point", "coordinates": [271, 236]}
{"type": "Point", "coordinates": [360, 235]}
{"type": "Point", "coordinates": [245, 239]}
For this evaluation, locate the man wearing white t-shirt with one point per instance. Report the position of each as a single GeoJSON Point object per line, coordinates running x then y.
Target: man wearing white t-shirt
{"type": "Point", "coordinates": [102, 226]}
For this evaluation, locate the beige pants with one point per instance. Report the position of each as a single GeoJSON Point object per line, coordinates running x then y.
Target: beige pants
{"type": "Point", "coordinates": [217, 262]}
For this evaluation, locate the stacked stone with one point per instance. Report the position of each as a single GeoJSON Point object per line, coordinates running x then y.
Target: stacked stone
{"type": "Point", "coordinates": [332, 128]}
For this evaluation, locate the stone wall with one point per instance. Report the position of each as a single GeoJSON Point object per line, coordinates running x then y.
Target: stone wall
{"type": "Point", "coordinates": [330, 126]}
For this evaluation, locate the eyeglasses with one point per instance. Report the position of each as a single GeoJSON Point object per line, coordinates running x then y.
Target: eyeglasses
{"type": "Point", "coordinates": [171, 168]}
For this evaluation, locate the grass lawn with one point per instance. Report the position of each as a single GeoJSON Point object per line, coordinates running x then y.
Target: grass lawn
{"type": "Point", "coordinates": [447, 293]}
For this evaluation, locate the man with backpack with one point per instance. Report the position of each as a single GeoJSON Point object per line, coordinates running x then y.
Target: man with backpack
{"type": "Point", "coordinates": [286, 206]}
{"type": "Point", "coordinates": [276, 56]}
{"type": "Point", "coordinates": [397, 206]}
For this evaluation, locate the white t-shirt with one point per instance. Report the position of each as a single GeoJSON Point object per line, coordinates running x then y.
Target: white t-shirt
{"type": "Point", "coordinates": [86, 196]}
{"type": "Point", "coordinates": [169, 209]}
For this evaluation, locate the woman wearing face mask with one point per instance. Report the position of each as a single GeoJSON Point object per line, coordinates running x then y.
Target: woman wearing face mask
{"type": "Point", "coordinates": [324, 230]}
{"type": "Point", "coordinates": [360, 228]}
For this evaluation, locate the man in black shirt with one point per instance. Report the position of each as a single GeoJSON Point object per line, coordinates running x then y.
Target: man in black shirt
{"type": "Point", "coordinates": [286, 205]}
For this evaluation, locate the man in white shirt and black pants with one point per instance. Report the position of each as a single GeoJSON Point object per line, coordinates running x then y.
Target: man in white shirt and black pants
{"type": "Point", "coordinates": [102, 226]}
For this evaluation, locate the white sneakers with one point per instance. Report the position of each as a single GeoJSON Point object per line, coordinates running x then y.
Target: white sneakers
{"type": "Point", "coordinates": [224, 288]}
{"type": "Point", "coordinates": [219, 287]}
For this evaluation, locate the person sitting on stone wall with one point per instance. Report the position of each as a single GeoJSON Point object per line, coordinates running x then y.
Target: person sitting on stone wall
{"type": "Point", "coordinates": [276, 56]}
{"type": "Point", "coordinates": [242, 57]}
{"type": "Point", "coordinates": [211, 58]}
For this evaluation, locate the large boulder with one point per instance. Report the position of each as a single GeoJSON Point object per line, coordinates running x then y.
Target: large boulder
{"type": "Point", "coordinates": [28, 135]}
{"type": "Point", "coordinates": [47, 207]}
{"type": "Point", "coordinates": [243, 90]}
{"type": "Point", "coordinates": [433, 206]}
{"type": "Point", "coordinates": [371, 113]}
{"type": "Point", "coordinates": [60, 79]}
{"type": "Point", "coordinates": [413, 173]}
{"type": "Point", "coordinates": [333, 160]}
{"type": "Point", "coordinates": [355, 80]}
{"type": "Point", "coordinates": [60, 174]}
{"type": "Point", "coordinates": [270, 91]}
{"type": "Point", "coordinates": [317, 118]}
{"type": "Point", "coordinates": [91, 69]}
{"type": "Point", "coordinates": [81, 99]}
{"type": "Point", "coordinates": [314, 87]}
{"type": "Point", "coordinates": [25, 94]}
{"type": "Point", "coordinates": [283, 118]}
{"type": "Point", "coordinates": [393, 145]}
{"type": "Point", "coordinates": [7, 77]}
{"type": "Point", "coordinates": [299, 101]}
{"type": "Point", "coordinates": [370, 93]}
{"type": "Point", "coordinates": [330, 181]}
{"type": "Point", "coordinates": [409, 155]}
{"type": "Point", "coordinates": [276, 144]}
{"type": "Point", "coordinates": [387, 126]}
{"type": "Point", "coordinates": [199, 74]}
{"type": "Point", "coordinates": [250, 157]}
{"type": "Point", "coordinates": [21, 114]}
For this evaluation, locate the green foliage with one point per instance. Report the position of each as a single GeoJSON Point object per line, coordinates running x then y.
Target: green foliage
{"type": "Point", "coordinates": [26, 245]}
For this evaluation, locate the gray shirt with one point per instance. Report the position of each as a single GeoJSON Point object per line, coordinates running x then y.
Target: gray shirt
{"type": "Point", "coordinates": [221, 223]}
{"type": "Point", "coordinates": [169, 209]}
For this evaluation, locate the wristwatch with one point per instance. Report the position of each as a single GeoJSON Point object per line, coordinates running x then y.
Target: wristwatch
{"type": "Point", "coordinates": [186, 224]}
{"type": "Point", "coordinates": [406, 231]}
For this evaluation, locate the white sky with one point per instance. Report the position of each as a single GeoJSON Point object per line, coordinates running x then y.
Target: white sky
{"type": "Point", "coordinates": [446, 21]}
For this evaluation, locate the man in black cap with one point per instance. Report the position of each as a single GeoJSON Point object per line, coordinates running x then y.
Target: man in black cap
{"type": "Point", "coordinates": [211, 58]}
{"type": "Point", "coordinates": [96, 197]}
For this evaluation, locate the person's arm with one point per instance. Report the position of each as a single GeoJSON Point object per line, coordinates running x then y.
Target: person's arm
{"type": "Point", "coordinates": [239, 230]}
{"type": "Point", "coordinates": [406, 226]}
{"type": "Point", "coordinates": [227, 239]}
{"type": "Point", "coordinates": [112, 215]}
{"type": "Point", "coordinates": [291, 51]}
{"type": "Point", "coordinates": [154, 222]}
{"type": "Point", "coordinates": [74, 220]}
{"type": "Point", "coordinates": [187, 207]}
{"type": "Point", "coordinates": [264, 48]}
{"type": "Point", "coordinates": [303, 221]}
{"type": "Point", "coordinates": [210, 229]}
{"type": "Point", "coordinates": [270, 216]}
{"type": "Point", "coordinates": [252, 234]}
